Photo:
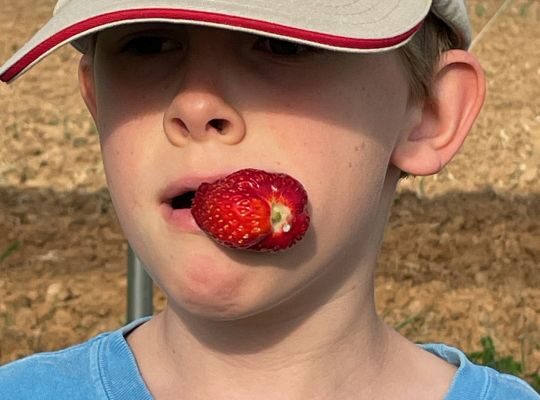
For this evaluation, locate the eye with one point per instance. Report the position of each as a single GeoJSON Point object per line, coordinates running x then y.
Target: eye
{"type": "Point", "coordinates": [149, 45]}
{"type": "Point", "coordinates": [283, 48]}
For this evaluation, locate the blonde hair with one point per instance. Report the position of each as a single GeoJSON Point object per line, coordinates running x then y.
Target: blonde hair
{"type": "Point", "coordinates": [421, 54]}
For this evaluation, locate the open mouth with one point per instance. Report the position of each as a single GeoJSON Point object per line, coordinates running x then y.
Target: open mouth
{"type": "Point", "coordinates": [177, 211]}
{"type": "Point", "coordinates": [182, 201]}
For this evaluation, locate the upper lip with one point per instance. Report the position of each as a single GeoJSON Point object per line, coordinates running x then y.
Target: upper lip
{"type": "Point", "coordinates": [187, 184]}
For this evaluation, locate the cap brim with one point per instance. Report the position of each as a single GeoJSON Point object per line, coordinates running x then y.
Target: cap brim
{"type": "Point", "coordinates": [367, 26]}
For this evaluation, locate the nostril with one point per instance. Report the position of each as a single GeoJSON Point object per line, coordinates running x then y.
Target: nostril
{"type": "Point", "coordinates": [218, 124]}
{"type": "Point", "coordinates": [183, 127]}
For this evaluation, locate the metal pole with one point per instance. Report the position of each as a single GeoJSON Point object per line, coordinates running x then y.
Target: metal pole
{"type": "Point", "coordinates": [139, 301]}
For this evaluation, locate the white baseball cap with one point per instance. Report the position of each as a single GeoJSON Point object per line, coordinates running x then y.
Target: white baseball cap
{"type": "Point", "coordinates": [342, 25]}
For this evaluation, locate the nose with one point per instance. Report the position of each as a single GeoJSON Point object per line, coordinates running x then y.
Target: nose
{"type": "Point", "coordinates": [200, 112]}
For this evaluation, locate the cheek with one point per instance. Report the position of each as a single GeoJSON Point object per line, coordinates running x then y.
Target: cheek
{"type": "Point", "coordinates": [123, 100]}
{"type": "Point", "coordinates": [130, 125]}
{"type": "Point", "coordinates": [339, 146]}
{"type": "Point", "coordinates": [127, 153]}
{"type": "Point", "coordinates": [120, 158]}
{"type": "Point", "coordinates": [343, 170]}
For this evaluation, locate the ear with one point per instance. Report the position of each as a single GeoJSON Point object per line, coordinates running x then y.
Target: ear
{"type": "Point", "coordinates": [87, 85]}
{"type": "Point", "coordinates": [446, 119]}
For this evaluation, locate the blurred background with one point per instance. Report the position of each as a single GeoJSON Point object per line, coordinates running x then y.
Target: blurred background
{"type": "Point", "coordinates": [460, 261]}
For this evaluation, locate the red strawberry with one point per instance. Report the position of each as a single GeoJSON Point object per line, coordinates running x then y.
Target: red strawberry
{"type": "Point", "coordinates": [252, 209]}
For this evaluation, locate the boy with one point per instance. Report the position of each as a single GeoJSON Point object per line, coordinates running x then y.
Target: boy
{"type": "Point", "coordinates": [187, 92]}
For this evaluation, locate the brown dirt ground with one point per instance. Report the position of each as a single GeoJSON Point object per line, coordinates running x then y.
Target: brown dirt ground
{"type": "Point", "coordinates": [461, 255]}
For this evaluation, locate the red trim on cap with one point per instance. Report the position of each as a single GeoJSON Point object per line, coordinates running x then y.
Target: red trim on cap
{"type": "Point", "coordinates": [190, 15]}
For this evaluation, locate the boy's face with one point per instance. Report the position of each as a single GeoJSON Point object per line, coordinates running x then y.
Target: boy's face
{"type": "Point", "coordinates": [177, 102]}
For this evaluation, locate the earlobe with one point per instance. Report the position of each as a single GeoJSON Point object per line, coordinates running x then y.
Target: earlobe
{"type": "Point", "coordinates": [446, 119]}
{"type": "Point", "coordinates": [87, 84]}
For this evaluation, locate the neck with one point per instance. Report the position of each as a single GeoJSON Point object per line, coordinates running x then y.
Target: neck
{"type": "Point", "coordinates": [320, 350]}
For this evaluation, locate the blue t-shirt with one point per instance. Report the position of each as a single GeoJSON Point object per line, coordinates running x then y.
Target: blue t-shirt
{"type": "Point", "coordinates": [104, 368]}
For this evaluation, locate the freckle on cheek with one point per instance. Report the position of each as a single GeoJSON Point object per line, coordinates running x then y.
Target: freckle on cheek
{"type": "Point", "coordinates": [362, 146]}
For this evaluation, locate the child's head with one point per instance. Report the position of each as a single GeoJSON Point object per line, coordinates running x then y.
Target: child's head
{"type": "Point", "coordinates": [178, 104]}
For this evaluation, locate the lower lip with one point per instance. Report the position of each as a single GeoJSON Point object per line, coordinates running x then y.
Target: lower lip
{"type": "Point", "coordinates": [180, 218]}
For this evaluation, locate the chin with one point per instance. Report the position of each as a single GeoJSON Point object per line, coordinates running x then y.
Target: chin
{"type": "Point", "coordinates": [213, 290]}
{"type": "Point", "coordinates": [211, 286]}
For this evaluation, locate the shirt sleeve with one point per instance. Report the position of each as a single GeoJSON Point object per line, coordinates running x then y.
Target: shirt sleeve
{"type": "Point", "coordinates": [65, 374]}
{"type": "Point", "coordinates": [505, 387]}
